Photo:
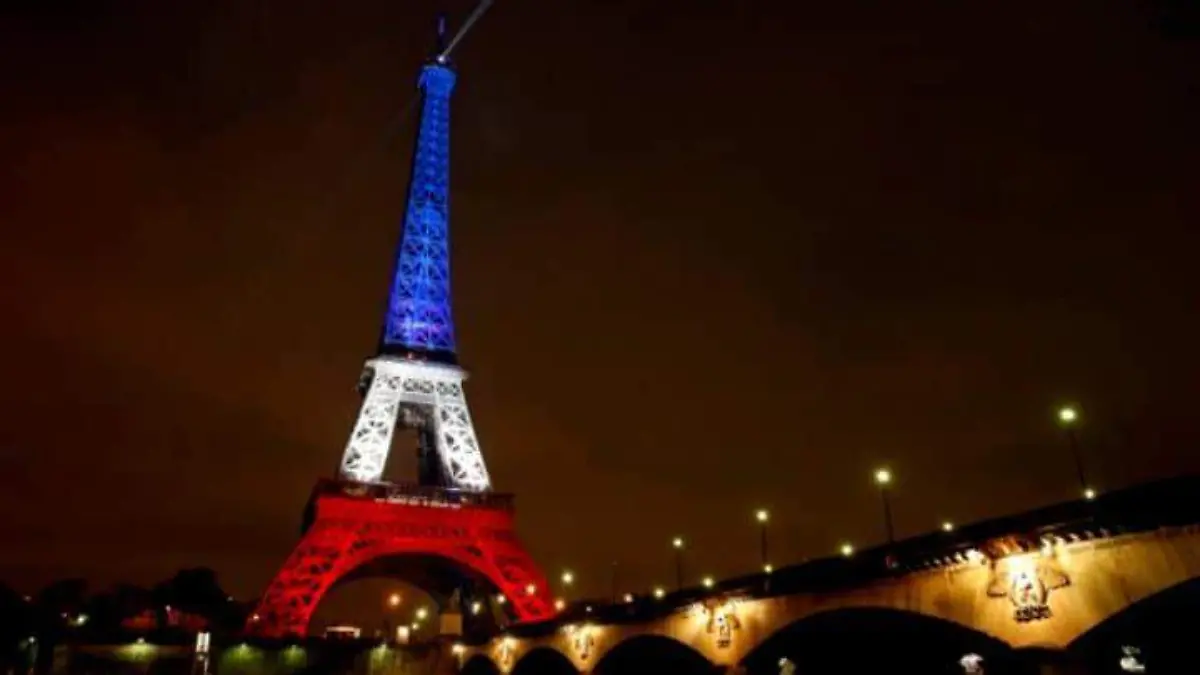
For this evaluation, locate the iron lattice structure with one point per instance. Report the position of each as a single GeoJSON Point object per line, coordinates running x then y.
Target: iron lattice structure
{"type": "Point", "coordinates": [413, 380]}
{"type": "Point", "coordinates": [397, 384]}
{"type": "Point", "coordinates": [418, 314]}
{"type": "Point", "coordinates": [416, 364]}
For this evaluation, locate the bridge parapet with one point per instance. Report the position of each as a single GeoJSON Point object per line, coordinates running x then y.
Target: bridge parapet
{"type": "Point", "coordinates": [1037, 579]}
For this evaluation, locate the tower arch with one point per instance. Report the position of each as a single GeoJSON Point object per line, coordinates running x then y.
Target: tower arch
{"type": "Point", "coordinates": [355, 528]}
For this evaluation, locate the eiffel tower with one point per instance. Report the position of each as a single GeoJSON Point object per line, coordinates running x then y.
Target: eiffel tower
{"type": "Point", "coordinates": [357, 524]}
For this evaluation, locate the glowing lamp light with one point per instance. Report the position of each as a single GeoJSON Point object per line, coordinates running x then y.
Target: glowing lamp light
{"type": "Point", "coordinates": [1067, 415]}
{"type": "Point", "coordinates": [628, 597]}
{"type": "Point", "coordinates": [141, 641]}
{"type": "Point", "coordinates": [1089, 494]}
{"type": "Point", "coordinates": [947, 526]}
{"type": "Point", "coordinates": [457, 649]}
{"type": "Point", "coordinates": [588, 609]}
{"type": "Point", "coordinates": [568, 578]}
{"type": "Point", "coordinates": [677, 542]}
{"type": "Point", "coordinates": [847, 550]}
{"type": "Point", "coordinates": [883, 477]}
{"type": "Point", "coordinates": [560, 604]}
{"type": "Point", "coordinates": [530, 589]}
{"type": "Point", "coordinates": [500, 599]}
{"type": "Point", "coordinates": [476, 607]}
{"type": "Point", "coordinates": [762, 515]}
{"type": "Point", "coordinates": [415, 626]}
{"type": "Point", "coordinates": [708, 582]}
{"type": "Point", "coordinates": [422, 613]}
{"type": "Point", "coordinates": [659, 593]}
{"type": "Point", "coordinates": [394, 600]}
{"type": "Point", "coordinates": [768, 568]}
{"type": "Point", "coordinates": [255, 618]}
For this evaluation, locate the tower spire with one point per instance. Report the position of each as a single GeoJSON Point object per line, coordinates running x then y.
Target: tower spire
{"type": "Point", "coordinates": [419, 323]}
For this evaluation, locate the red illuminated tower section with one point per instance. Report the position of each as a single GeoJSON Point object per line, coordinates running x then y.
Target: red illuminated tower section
{"type": "Point", "coordinates": [358, 524]}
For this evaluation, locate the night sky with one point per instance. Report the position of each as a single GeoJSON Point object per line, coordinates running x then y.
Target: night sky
{"type": "Point", "coordinates": [709, 256]}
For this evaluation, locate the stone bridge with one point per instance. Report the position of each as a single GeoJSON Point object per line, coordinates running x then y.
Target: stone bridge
{"type": "Point", "coordinates": [1021, 590]}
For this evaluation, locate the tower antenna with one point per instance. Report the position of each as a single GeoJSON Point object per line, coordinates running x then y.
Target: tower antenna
{"type": "Point", "coordinates": [445, 53]}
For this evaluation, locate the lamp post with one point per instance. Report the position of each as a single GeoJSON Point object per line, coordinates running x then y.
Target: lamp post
{"type": "Point", "coordinates": [762, 516]}
{"type": "Point", "coordinates": [677, 544]}
{"type": "Point", "coordinates": [393, 602]}
{"type": "Point", "coordinates": [568, 578]}
{"type": "Point", "coordinates": [883, 478]}
{"type": "Point", "coordinates": [1067, 419]}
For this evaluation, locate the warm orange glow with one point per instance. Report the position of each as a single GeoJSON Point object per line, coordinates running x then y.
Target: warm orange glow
{"type": "Point", "coordinates": [560, 604]}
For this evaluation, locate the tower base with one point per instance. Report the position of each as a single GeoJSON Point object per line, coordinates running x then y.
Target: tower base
{"type": "Point", "coordinates": [349, 526]}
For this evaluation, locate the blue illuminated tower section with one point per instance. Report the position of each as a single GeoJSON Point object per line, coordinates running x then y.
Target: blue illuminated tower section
{"type": "Point", "coordinates": [419, 322]}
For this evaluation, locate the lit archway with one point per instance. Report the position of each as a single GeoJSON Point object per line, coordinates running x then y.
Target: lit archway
{"type": "Point", "coordinates": [1157, 633]}
{"type": "Point", "coordinates": [544, 661]}
{"type": "Point", "coordinates": [871, 640]}
{"type": "Point", "coordinates": [652, 655]}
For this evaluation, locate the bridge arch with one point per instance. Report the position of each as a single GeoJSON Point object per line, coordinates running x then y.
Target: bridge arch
{"type": "Point", "coordinates": [650, 655]}
{"type": "Point", "coordinates": [1159, 631]}
{"type": "Point", "coordinates": [875, 639]}
{"type": "Point", "coordinates": [544, 661]}
{"type": "Point", "coordinates": [479, 664]}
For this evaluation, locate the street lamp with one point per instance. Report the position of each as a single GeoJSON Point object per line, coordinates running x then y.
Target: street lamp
{"type": "Point", "coordinates": [883, 478]}
{"type": "Point", "coordinates": [947, 526]}
{"type": "Point", "coordinates": [708, 582]}
{"type": "Point", "coordinates": [394, 600]}
{"type": "Point", "coordinates": [847, 550]}
{"type": "Point", "coordinates": [677, 544]}
{"type": "Point", "coordinates": [762, 516]}
{"type": "Point", "coordinates": [422, 613]}
{"type": "Point", "coordinates": [1068, 417]}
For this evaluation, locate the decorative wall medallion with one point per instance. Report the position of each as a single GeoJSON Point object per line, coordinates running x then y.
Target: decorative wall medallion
{"type": "Point", "coordinates": [582, 642]}
{"type": "Point", "coordinates": [1027, 582]}
{"type": "Point", "coordinates": [721, 619]}
{"type": "Point", "coordinates": [504, 654]}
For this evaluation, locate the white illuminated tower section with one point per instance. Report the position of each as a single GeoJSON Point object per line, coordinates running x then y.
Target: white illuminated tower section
{"type": "Point", "coordinates": [414, 378]}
